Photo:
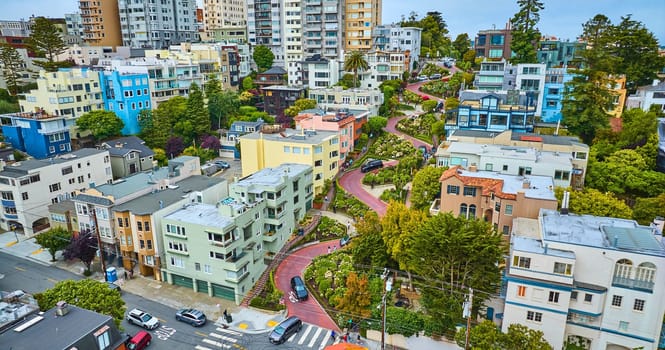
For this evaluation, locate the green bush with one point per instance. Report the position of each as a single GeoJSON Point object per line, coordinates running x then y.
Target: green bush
{"type": "Point", "coordinates": [390, 146]}
{"type": "Point", "coordinates": [258, 302]}
{"type": "Point", "coordinates": [391, 194]}
{"type": "Point", "coordinates": [348, 203]}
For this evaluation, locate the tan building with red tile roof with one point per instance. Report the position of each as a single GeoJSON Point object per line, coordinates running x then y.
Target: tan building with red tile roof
{"type": "Point", "coordinates": [494, 197]}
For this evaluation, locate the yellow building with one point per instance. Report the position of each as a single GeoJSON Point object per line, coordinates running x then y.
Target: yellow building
{"type": "Point", "coordinates": [619, 96]}
{"type": "Point", "coordinates": [67, 92]}
{"type": "Point", "coordinates": [101, 22]}
{"type": "Point", "coordinates": [361, 18]}
{"type": "Point", "coordinates": [273, 146]}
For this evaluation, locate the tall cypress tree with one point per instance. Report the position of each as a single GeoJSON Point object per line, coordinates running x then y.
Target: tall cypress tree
{"type": "Point", "coordinates": [12, 64]}
{"type": "Point", "coordinates": [524, 33]}
{"type": "Point", "coordinates": [197, 112]}
{"type": "Point", "coordinates": [46, 42]}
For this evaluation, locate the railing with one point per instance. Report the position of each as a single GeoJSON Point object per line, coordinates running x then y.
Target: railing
{"type": "Point", "coordinates": [631, 283]}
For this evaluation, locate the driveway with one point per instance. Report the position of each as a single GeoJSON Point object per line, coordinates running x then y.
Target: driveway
{"type": "Point", "coordinates": [310, 311]}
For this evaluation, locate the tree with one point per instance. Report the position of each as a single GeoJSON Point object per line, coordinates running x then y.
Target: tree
{"type": "Point", "coordinates": [451, 254]}
{"type": "Point", "coordinates": [210, 142]}
{"type": "Point", "coordinates": [368, 248]}
{"type": "Point", "coordinates": [354, 62]}
{"type": "Point", "coordinates": [637, 126]}
{"type": "Point", "coordinates": [212, 86]}
{"type": "Point", "coordinates": [347, 81]}
{"type": "Point", "coordinates": [12, 65]}
{"type": "Point", "coordinates": [586, 101]}
{"type": "Point", "coordinates": [247, 83]}
{"type": "Point", "coordinates": [646, 209]}
{"type": "Point", "coordinates": [462, 44]}
{"type": "Point", "coordinates": [451, 103]}
{"type": "Point", "coordinates": [82, 247]}
{"type": "Point", "coordinates": [429, 105]}
{"type": "Point", "coordinates": [222, 107]}
{"type": "Point", "coordinates": [160, 156]}
{"type": "Point", "coordinates": [263, 57]}
{"type": "Point", "coordinates": [46, 41]}
{"type": "Point", "coordinates": [174, 146]}
{"type": "Point", "coordinates": [87, 294]}
{"type": "Point", "coordinates": [375, 125]}
{"type": "Point", "coordinates": [301, 104]}
{"type": "Point", "coordinates": [594, 202]}
{"type": "Point", "coordinates": [102, 124]}
{"type": "Point", "coordinates": [196, 111]}
{"type": "Point", "coordinates": [425, 187]}
{"type": "Point", "coordinates": [164, 119]}
{"type": "Point", "coordinates": [486, 336]}
{"type": "Point", "coordinates": [53, 240]}
{"type": "Point", "coordinates": [524, 33]}
{"type": "Point", "coordinates": [356, 299]}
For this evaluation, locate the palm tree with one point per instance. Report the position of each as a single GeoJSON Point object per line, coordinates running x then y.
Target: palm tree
{"type": "Point", "coordinates": [355, 61]}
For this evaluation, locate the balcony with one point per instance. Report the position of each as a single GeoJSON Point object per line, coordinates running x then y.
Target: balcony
{"type": "Point", "coordinates": [644, 286]}
{"type": "Point", "coordinates": [270, 236]}
{"type": "Point", "coordinates": [172, 251]}
{"type": "Point", "coordinates": [222, 244]}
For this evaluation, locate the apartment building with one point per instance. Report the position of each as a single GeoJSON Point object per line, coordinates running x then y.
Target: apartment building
{"type": "Point", "coordinates": [319, 72]}
{"type": "Point", "coordinates": [29, 186]}
{"type": "Point", "coordinates": [358, 99]}
{"type": "Point", "coordinates": [84, 55]}
{"type": "Point", "coordinates": [594, 281]}
{"type": "Point", "coordinates": [341, 121]}
{"type": "Point", "coordinates": [494, 44]}
{"type": "Point", "coordinates": [647, 96]}
{"type": "Point", "coordinates": [94, 205]}
{"type": "Point", "coordinates": [495, 197]}
{"type": "Point", "coordinates": [129, 155]}
{"type": "Point", "coordinates": [157, 24]}
{"type": "Point", "coordinates": [361, 16]}
{"type": "Point", "coordinates": [126, 95]}
{"type": "Point", "coordinates": [225, 20]}
{"type": "Point", "coordinates": [382, 66]}
{"type": "Point", "coordinates": [559, 147]}
{"type": "Point", "coordinates": [292, 17]}
{"type": "Point", "coordinates": [74, 23]}
{"type": "Point", "coordinates": [492, 111]}
{"type": "Point", "coordinates": [138, 222]}
{"type": "Point", "coordinates": [101, 22]}
{"type": "Point", "coordinates": [162, 78]}
{"type": "Point", "coordinates": [618, 90]}
{"type": "Point", "coordinates": [274, 145]}
{"type": "Point", "coordinates": [392, 37]}
{"type": "Point", "coordinates": [557, 54]}
{"type": "Point", "coordinates": [221, 249]}
{"type": "Point", "coordinates": [277, 98]}
{"type": "Point", "coordinates": [264, 27]}
{"type": "Point", "coordinates": [553, 91]}
{"type": "Point", "coordinates": [69, 92]}
{"type": "Point", "coordinates": [323, 28]}
{"type": "Point", "coordinates": [528, 78]}
{"type": "Point", "coordinates": [40, 135]}
{"type": "Point", "coordinates": [490, 77]}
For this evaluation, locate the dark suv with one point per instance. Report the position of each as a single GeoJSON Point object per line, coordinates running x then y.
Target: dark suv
{"type": "Point", "coordinates": [298, 287]}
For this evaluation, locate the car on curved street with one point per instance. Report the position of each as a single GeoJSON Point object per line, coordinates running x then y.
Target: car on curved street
{"type": "Point", "coordinates": [142, 319]}
{"type": "Point", "coordinates": [192, 316]}
{"type": "Point", "coordinates": [298, 287]}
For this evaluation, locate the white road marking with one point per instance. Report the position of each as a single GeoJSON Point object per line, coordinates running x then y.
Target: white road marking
{"type": "Point", "coordinates": [304, 335]}
{"type": "Point", "coordinates": [316, 336]}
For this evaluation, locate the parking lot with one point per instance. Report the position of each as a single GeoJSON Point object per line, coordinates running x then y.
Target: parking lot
{"type": "Point", "coordinates": [235, 169]}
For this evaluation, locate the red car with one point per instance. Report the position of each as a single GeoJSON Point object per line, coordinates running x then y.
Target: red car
{"type": "Point", "coordinates": [424, 97]}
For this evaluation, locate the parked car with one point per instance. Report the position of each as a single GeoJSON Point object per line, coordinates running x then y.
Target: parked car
{"type": "Point", "coordinates": [222, 164]}
{"type": "Point", "coordinates": [298, 287]}
{"type": "Point", "coordinates": [114, 286]}
{"type": "Point", "coordinates": [422, 78]}
{"type": "Point", "coordinates": [285, 330]}
{"type": "Point", "coordinates": [436, 76]}
{"type": "Point", "coordinates": [192, 316]}
{"type": "Point", "coordinates": [139, 341]}
{"type": "Point", "coordinates": [209, 169]}
{"type": "Point", "coordinates": [371, 165]}
{"type": "Point", "coordinates": [142, 319]}
{"type": "Point", "coordinates": [424, 97]}
{"type": "Point", "coordinates": [423, 149]}
{"type": "Point", "coordinates": [344, 241]}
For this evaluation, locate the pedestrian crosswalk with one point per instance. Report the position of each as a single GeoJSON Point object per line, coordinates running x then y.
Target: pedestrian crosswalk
{"type": "Point", "coordinates": [313, 337]}
{"type": "Point", "coordinates": [220, 338]}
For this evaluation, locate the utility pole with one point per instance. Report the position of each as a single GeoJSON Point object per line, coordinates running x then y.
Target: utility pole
{"type": "Point", "coordinates": [99, 241]}
{"type": "Point", "coordinates": [387, 287]}
{"type": "Point", "coordinates": [468, 305]}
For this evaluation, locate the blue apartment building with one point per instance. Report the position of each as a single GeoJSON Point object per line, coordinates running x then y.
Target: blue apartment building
{"type": "Point", "coordinates": [37, 133]}
{"type": "Point", "coordinates": [492, 111]}
{"type": "Point", "coordinates": [237, 129]}
{"type": "Point", "coordinates": [552, 97]}
{"type": "Point", "coordinates": [556, 53]}
{"type": "Point", "coordinates": [126, 94]}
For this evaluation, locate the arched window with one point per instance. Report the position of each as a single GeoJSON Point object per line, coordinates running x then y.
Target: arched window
{"type": "Point", "coordinates": [645, 274]}
{"type": "Point", "coordinates": [472, 211]}
{"type": "Point", "coordinates": [623, 271]}
{"type": "Point", "coordinates": [463, 210]}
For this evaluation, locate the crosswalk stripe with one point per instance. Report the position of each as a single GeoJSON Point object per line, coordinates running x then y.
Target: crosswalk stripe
{"type": "Point", "coordinates": [324, 342]}
{"type": "Point", "coordinates": [315, 337]}
{"type": "Point", "coordinates": [228, 331]}
{"type": "Point", "coordinates": [304, 335]}
{"type": "Point", "coordinates": [293, 336]}
{"type": "Point", "coordinates": [223, 337]}
{"type": "Point", "coordinates": [337, 340]}
{"type": "Point", "coordinates": [199, 347]}
{"type": "Point", "coordinates": [217, 344]}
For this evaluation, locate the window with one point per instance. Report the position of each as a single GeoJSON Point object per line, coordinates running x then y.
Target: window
{"type": "Point", "coordinates": [197, 266]}
{"type": "Point", "coordinates": [638, 305]}
{"type": "Point", "coordinates": [563, 269]}
{"type": "Point", "coordinates": [573, 295]}
{"type": "Point", "coordinates": [318, 163]}
{"type": "Point", "coordinates": [489, 166]}
{"type": "Point", "coordinates": [580, 155]}
{"type": "Point", "coordinates": [521, 291]}
{"type": "Point", "coordinates": [453, 189]}
{"type": "Point", "coordinates": [177, 262]}
{"type": "Point", "coordinates": [207, 268]}
{"type": "Point", "coordinates": [505, 167]}
{"type": "Point", "coordinates": [139, 226]}
{"type": "Point", "coordinates": [146, 226]}
{"type": "Point", "coordinates": [561, 175]}
{"type": "Point", "coordinates": [24, 196]}
{"type": "Point", "coordinates": [9, 196]}
{"type": "Point", "coordinates": [178, 230]}
{"type": "Point", "coordinates": [554, 297]}
{"type": "Point", "coordinates": [54, 187]}
{"type": "Point", "coordinates": [509, 209]}
{"type": "Point", "coordinates": [287, 149]}
{"type": "Point", "coordinates": [521, 261]}
{"type": "Point", "coordinates": [67, 170]}
{"type": "Point", "coordinates": [103, 340]}
{"type": "Point", "coordinates": [318, 149]}
{"type": "Point", "coordinates": [178, 246]}
{"type": "Point", "coordinates": [588, 297]}
{"type": "Point", "coordinates": [534, 316]}
{"type": "Point", "coordinates": [469, 191]}
{"type": "Point", "coordinates": [623, 325]}
{"type": "Point", "coordinates": [616, 300]}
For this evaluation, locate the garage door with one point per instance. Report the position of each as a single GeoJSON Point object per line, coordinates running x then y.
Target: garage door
{"type": "Point", "coordinates": [223, 292]}
{"type": "Point", "coordinates": [183, 281]}
{"type": "Point", "coordinates": [202, 286]}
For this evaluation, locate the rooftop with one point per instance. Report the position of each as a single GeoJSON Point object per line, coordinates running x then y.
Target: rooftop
{"type": "Point", "coordinates": [600, 232]}
{"type": "Point", "coordinates": [152, 202]}
{"type": "Point", "coordinates": [530, 245]}
{"type": "Point", "coordinates": [290, 135]}
{"type": "Point", "coordinates": [273, 176]}
{"type": "Point", "coordinates": [531, 154]}
{"type": "Point", "coordinates": [134, 183]}
{"type": "Point", "coordinates": [14, 306]}
{"type": "Point", "coordinates": [519, 136]}
{"type": "Point", "coordinates": [24, 167]}
{"type": "Point", "coordinates": [284, 88]}
{"type": "Point", "coordinates": [203, 214]}
{"type": "Point", "coordinates": [538, 187]}
{"type": "Point", "coordinates": [123, 145]}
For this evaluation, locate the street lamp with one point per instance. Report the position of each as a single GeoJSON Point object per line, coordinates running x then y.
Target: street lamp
{"type": "Point", "coordinates": [13, 228]}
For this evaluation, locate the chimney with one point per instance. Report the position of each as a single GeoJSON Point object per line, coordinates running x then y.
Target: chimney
{"type": "Point", "coordinates": [61, 308]}
{"type": "Point", "coordinates": [526, 183]}
{"type": "Point", "coordinates": [473, 168]}
{"type": "Point", "coordinates": [655, 82]}
{"type": "Point", "coordinates": [564, 203]}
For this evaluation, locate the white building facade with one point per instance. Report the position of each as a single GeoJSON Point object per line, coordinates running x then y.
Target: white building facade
{"type": "Point", "coordinates": [30, 186]}
{"type": "Point", "coordinates": [592, 281]}
{"type": "Point", "coordinates": [157, 24]}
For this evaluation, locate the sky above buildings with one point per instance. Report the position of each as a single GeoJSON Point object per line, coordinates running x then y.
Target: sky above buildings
{"type": "Point", "coordinates": [560, 18]}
